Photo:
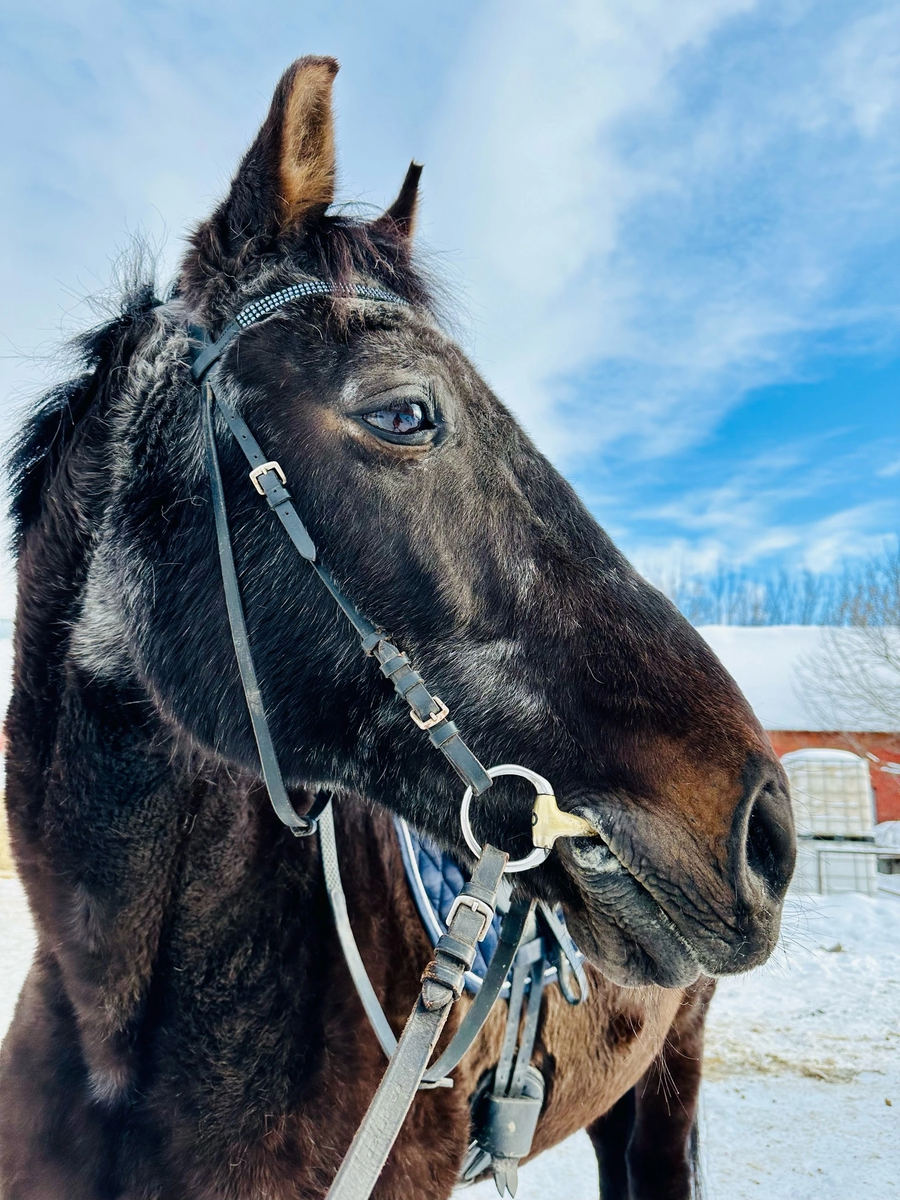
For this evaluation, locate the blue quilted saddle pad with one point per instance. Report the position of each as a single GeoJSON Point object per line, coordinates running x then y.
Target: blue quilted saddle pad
{"type": "Point", "coordinates": [435, 880]}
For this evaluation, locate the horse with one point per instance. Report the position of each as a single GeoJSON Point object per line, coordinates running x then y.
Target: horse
{"type": "Point", "coordinates": [188, 1027]}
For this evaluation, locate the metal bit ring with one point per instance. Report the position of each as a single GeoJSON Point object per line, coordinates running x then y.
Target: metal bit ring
{"type": "Point", "coordinates": [539, 854]}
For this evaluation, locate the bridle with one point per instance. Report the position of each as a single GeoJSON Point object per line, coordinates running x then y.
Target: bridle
{"type": "Point", "coordinates": [474, 907]}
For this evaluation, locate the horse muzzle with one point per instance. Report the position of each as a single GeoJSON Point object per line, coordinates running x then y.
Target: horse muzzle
{"type": "Point", "coordinates": [656, 912]}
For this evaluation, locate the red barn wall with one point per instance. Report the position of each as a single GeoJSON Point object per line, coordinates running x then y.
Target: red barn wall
{"type": "Point", "coordinates": [884, 746]}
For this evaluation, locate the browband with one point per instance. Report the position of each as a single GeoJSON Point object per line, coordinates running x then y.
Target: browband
{"type": "Point", "coordinates": [257, 309]}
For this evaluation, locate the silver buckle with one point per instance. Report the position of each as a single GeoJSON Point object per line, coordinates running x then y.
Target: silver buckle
{"type": "Point", "coordinates": [435, 718]}
{"type": "Point", "coordinates": [483, 909]}
{"type": "Point", "coordinates": [264, 470]}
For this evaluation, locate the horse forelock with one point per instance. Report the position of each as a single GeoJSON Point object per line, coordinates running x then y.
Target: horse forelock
{"type": "Point", "coordinates": [217, 279]}
{"type": "Point", "coordinates": [212, 285]}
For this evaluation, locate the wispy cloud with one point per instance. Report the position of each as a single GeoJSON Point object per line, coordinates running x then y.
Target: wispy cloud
{"type": "Point", "coordinates": [765, 513]}
{"type": "Point", "coordinates": [665, 206]}
{"type": "Point", "coordinates": [655, 208]}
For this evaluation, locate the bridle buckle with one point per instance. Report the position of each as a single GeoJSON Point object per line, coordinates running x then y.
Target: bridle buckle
{"type": "Point", "coordinates": [257, 472]}
{"type": "Point", "coordinates": [483, 909]}
{"type": "Point", "coordinates": [435, 719]}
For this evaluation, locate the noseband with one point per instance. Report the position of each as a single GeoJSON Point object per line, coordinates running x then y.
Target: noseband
{"type": "Point", "coordinates": [473, 909]}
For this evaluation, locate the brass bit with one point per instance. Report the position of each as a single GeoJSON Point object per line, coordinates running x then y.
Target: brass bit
{"type": "Point", "coordinates": [549, 822]}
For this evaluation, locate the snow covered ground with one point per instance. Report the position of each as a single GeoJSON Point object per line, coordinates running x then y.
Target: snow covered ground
{"type": "Point", "coordinates": [802, 1092]}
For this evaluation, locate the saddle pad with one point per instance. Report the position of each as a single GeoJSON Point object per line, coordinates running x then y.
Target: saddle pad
{"type": "Point", "coordinates": [435, 880]}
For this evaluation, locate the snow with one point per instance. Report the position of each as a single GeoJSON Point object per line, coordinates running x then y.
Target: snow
{"type": "Point", "coordinates": [16, 946]}
{"type": "Point", "coordinates": [6, 673]}
{"type": "Point", "coordinates": [767, 661]}
{"type": "Point", "coordinates": [802, 1093]}
{"type": "Point", "coordinates": [821, 754]}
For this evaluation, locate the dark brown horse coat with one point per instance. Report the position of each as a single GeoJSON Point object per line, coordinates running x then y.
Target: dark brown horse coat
{"type": "Point", "coordinates": [188, 1029]}
{"type": "Point", "coordinates": [61, 1140]}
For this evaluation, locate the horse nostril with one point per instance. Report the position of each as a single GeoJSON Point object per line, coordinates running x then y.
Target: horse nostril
{"type": "Point", "coordinates": [769, 844]}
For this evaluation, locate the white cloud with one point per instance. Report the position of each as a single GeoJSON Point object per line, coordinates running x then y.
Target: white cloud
{"type": "Point", "coordinates": [656, 206]}
{"type": "Point", "coordinates": [865, 69]}
{"type": "Point", "coordinates": [726, 527]}
{"type": "Point", "coordinates": [663, 206]}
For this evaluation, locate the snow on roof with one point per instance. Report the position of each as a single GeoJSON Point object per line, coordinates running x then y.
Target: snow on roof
{"type": "Point", "coordinates": [821, 754]}
{"type": "Point", "coordinates": [774, 668]}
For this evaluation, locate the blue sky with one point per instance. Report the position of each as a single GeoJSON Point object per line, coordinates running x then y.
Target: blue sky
{"type": "Point", "coordinates": [672, 228]}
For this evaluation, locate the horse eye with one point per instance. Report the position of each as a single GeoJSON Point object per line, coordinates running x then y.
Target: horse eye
{"type": "Point", "coordinates": [400, 417]}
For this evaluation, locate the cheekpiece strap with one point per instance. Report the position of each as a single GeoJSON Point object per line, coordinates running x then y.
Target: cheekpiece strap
{"type": "Point", "coordinates": [267, 477]}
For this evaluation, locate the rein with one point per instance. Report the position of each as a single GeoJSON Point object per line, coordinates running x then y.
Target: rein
{"type": "Point", "coordinates": [473, 909]}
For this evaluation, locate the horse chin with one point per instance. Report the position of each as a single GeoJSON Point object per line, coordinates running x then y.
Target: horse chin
{"type": "Point", "coordinates": [622, 929]}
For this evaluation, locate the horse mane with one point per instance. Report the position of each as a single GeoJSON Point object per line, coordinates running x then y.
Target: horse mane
{"type": "Point", "coordinates": [37, 449]}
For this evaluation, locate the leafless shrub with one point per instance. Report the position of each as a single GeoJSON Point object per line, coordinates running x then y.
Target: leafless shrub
{"type": "Point", "coordinates": [865, 595]}
{"type": "Point", "coordinates": [853, 680]}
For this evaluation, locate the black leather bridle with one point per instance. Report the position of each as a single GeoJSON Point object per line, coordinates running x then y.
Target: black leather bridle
{"type": "Point", "coordinates": [267, 476]}
{"type": "Point", "coordinates": [443, 979]}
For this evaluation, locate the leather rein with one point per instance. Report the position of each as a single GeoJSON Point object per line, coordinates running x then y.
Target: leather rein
{"type": "Point", "coordinates": [473, 910]}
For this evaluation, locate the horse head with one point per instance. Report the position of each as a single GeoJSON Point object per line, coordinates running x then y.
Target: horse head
{"type": "Point", "coordinates": [446, 526]}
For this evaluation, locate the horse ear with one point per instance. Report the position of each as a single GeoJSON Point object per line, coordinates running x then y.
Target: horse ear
{"type": "Point", "coordinates": [306, 165]}
{"type": "Point", "coordinates": [289, 171]}
{"type": "Point", "coordinates": [401, 215]}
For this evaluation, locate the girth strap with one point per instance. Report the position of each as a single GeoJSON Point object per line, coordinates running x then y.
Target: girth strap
{"type": "Point", "coordinates": [506, 1117]}
{"type": "Point", "coordinates": [529, 1031]}
{"type": "Point", "coordinates": [530, 955]}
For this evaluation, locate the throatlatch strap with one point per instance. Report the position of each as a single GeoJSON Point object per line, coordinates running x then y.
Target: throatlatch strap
{"type": "Point", "coordinates": [338, 901]}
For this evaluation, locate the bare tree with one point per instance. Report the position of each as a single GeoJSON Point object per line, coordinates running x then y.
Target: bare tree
{"type": "Point", "coordinates": [853, 680]}
{"type": "Point", "coordinates": [858, 595]}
